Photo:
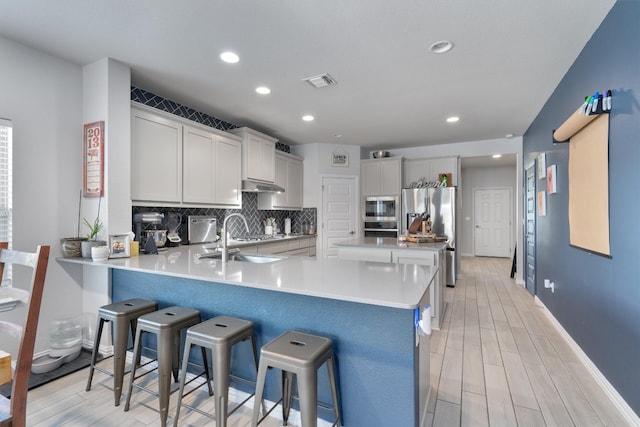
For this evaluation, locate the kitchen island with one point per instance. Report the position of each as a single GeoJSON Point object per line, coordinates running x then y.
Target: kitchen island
{"type": "Point", "coordinates": [370, 311]}
{"type": "Point", "coordinates": [384, 249]}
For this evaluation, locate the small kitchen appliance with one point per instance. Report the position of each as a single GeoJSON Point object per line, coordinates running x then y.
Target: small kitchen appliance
{"type": "Point", "coordinates": [149, 218]}
{"type": "Point", "coordinates": [174, 220]}
{"type": "Point", "coordinates": [202, 229]}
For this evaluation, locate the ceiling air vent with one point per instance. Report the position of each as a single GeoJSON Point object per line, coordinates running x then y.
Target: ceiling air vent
{"type": "Point", "coordinates": [322, 80]}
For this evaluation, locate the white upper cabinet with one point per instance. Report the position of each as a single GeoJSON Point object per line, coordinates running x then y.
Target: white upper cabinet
{"type": "Point", "coordinates": [228, 177]}
{"type": "Point", "coordinates": [288, 175]}
{"type": "Point", "coordinates": [258, 155]}
{"type": "Point", "coordinates": [430, 169]}
{"type": "Point", "coordinates": [211, 173]}
{"type": "Point", "coordinates": [156, 158]}
{"type": "Point", "coordinates": [381, 177]}
{"type": "Point", "coordinates": [181, 163]}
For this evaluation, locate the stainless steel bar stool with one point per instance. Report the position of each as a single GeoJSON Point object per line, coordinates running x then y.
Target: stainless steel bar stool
{"type": "Point", "coordinates": [167, 324]}
{"type": "Point", "coordinates": [122, 315]}
{"type": "Point", "coordinates": [299, 354]}
{"type": "Point", "coordinates": [219, 335]}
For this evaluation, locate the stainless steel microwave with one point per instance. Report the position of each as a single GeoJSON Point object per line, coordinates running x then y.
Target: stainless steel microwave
{"type": "Point", "coordinates": [381, 208]}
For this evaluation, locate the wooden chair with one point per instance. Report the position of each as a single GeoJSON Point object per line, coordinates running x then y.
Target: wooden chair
{"type": "Point", "coordinates": [13, 412]}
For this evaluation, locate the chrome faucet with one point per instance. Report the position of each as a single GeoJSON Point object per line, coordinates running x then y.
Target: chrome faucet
{"type": "Point", "coordinates": [225, 233]}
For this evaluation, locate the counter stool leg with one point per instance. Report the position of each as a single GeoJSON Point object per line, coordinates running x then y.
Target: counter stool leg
{"type": "Point", "coordinates": [166, 349]}
{"type": "Point", "coordinates": [308, 391]}
{"type": "Point", "coordinates": [207, 372]}
{"type": "Point", "coordinates": [254, 348]}
{"type": "Point", "coordinates": [134, 327]}
{"type": "Point", "coordinates": [94, 353]}
{"type": "Point", "coordinates": [331, 368]}
{"type": "Point", "coordinates": [221, 365]}
{"type": "Point", "coordinates": [175, 355]}
{"type": "Point", "coordinates": [137, 349]}
{"type": "Point", "coordinates": [287, 395]}
{"type": "Point", "coordinates": [183, 375]}
{"type": "Point", "coordinates": [120, 341]}
{"type": "Point", "coordinates": [262, 376]}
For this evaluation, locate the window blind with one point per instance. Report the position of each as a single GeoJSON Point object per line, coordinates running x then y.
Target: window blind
{"type": "Point", "coordinates": [6, 186]}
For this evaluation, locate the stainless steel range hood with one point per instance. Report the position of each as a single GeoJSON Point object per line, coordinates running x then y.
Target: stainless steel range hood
{"type": "Point", "coordinates": [261, 187]}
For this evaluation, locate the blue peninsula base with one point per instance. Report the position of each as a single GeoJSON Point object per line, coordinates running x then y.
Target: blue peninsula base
{"type": "Point", "coordinates": [383, 375]}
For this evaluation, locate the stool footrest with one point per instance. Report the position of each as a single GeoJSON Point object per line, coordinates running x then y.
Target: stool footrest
{"type": "Point", "coordinates": [266, 414]}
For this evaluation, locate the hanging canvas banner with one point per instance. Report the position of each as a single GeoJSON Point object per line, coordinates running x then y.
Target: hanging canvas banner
{"type": "Point", "coordinates": [93, 164]}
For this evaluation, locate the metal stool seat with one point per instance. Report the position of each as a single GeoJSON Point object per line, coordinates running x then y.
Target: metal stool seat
{"type": "Point", "coordinates": [219, 335]}
{"type": "Point", "coordinates": [299, 354]}
{"type": "Point", "coordinates": [123, 314]}
{"type": "Point", "coordinates": [167, 325]}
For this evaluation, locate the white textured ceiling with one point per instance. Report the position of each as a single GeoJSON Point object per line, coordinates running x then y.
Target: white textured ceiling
{"type": "Point", "coordinates": [509, 56]}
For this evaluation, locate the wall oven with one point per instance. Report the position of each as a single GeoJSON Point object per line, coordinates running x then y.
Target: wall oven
{"type": "Point", "coordinates": [381, 216]}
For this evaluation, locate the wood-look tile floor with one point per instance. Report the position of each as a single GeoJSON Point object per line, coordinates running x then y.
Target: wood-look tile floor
{"type": "Point", "coordinates": [497, 361]}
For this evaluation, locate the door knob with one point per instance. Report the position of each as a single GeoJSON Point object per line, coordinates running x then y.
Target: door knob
{"type": "Point", "coordinates": [352, 232]}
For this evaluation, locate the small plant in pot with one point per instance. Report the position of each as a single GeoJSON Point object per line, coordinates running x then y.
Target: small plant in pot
{"type": "Point", "coordinates": [92, 235]}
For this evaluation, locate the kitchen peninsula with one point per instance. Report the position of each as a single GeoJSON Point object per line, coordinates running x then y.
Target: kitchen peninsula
{"type": "Point", "coordinates": [385, 249]}
{"type": "Point", "coordinates": [370, 311]}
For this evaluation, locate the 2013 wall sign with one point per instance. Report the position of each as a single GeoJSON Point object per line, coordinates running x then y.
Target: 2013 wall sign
{"type": "Point", "coordinates": [93, 165]}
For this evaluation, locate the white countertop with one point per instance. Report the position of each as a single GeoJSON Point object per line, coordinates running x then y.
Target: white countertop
{"type": "Point", "coordinates": [389, 285]}
{"type": "Point", "coordinates": [390, 243]}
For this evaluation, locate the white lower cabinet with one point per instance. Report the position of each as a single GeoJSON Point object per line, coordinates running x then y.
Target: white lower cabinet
{"type": "Point", "coordinates": [304, 246]}
{"type": "Point", "coordinates": [436, 292]}
{"type": "Point", "coordinates": [364, 254]}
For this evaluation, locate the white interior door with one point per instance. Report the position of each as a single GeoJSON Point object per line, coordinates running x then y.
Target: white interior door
{"type": "Point", "coordinates": [492, 220]}
{"type": "Point", "coordinates": [339, 212]}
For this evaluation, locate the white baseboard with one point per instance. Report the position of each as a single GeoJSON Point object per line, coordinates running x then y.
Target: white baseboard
{"type": "Point", "coordinates": [618, 401]}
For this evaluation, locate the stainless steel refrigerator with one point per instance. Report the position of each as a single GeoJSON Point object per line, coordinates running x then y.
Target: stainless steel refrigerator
{"type": "Point", "coordinates": [440, 205]}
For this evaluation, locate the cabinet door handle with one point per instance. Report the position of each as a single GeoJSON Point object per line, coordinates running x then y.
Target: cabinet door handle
{"type": "Point", "coordinates": [352, 232]}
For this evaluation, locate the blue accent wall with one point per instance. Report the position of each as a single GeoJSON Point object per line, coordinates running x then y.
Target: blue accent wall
{"type": "Point", "coordinates": [597, 299]}
{"type": "Point", "coordinates": [374, 346]}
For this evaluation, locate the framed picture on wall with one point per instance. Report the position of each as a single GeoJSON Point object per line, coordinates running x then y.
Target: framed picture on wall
{"type": "Point", "coordinates": [552, 186]}
{"type": "Point", "coordinates": [542, 165]}
{"type": "Point", "coordinates": [340, 159]}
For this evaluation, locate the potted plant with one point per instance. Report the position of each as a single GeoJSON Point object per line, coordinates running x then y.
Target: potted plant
{"type": "Point", "coordinates": [92, 235]}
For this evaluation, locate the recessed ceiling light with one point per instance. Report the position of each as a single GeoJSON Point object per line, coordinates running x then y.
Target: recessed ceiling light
{"type": "Point", "coordinates": [307, 118]}
{"type": "Point", "coordinates": [338, 135]}
{"type": "Point", "coordinates": [229, 57]}
{"type": "Point", "coordinates": [263, 90]}
{"type": "Point", "coordinates": [443, 46]}
{"type": "Point", "coordinates": [497, 156]}
{"type": "Point", "coordinates": [452, 119]}
{"type": "Point", "coordinates": [509, 135]}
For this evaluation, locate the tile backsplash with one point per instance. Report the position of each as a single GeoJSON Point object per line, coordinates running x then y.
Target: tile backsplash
{"type": "Point", "coordinates": [255, 218]}
{"type": "Point", "coordinates": [152, 100]}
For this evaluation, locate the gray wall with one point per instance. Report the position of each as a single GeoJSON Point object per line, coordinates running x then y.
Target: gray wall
{"type": "Point", "coordinates": [42, 96]}
{"type": "Point", "coordinates": [597, 299]}
{"type": "Point", "coordinates": [476, 178]}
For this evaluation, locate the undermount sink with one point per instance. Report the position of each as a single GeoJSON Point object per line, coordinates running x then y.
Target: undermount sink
{"type": "Point", "coordinates": [256, 259]}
